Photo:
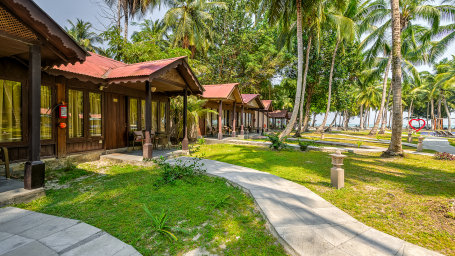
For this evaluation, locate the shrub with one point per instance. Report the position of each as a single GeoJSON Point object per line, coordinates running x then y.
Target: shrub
{"type": "Point", "coordinates": [444, 156]}
{"type": "Point", "coordinates": [359, 144]}
{"type": "Point", "coordinates": [159, 224]}
{"type": "Point", "coordinates": [277, 143]}
{"type": "Point", "coordinates": [201, 141]}
{"type": "Point", "coordinates": [305, 144]}
{"type": "Point", "coordinates": [178, 170]}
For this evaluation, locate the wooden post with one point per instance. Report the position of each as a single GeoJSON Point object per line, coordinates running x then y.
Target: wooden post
{"type": "Point", "coordinates": [61, 132]}
{"type": "Point", "coordinates": [220, 113]}
{"type": "Point", "coordinates": [257, 121]}
{"type": "Point", "coordinates": [242, 121]}
{"type": "Point", "coordinates": [234, 123]}
{"type": "Point", "coordinates": [262, 125]}
{"type": "Point", "coordinates": [34, 168]}
{"type": "Point", "coordinates": [185, 121]}
{"type": "Point", "coordinates": [147, 147]}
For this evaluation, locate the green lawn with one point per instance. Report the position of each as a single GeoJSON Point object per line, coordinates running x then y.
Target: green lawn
{"type": "Point", "coordinates": [452, 142]}
{"type": "Point", "coordinates": [111, 198]}
{"type": "Point", "coordinates": [412, 198]}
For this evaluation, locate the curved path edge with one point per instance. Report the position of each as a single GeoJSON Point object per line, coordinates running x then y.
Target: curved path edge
{"type": "Point", "coordinates": [24, 233]}
{"type": "Point", "coordinates": [305, 223]}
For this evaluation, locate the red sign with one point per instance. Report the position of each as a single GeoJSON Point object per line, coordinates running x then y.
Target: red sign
{"type": "Point", "coordinates": [418, 120]}
{"type": "Point", "coordinates": [63, 111]}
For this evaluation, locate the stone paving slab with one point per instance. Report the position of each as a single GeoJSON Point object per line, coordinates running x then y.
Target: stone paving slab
{"type": "Point", "coordinates": [305, 223]}
{"type": "Point", "coordinates": [439, 144]}
{"type": "Point", "coordinates": [24, 233]}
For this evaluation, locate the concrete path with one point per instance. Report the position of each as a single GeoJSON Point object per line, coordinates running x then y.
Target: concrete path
{"type": "Point", "coordinates": [305, 223]}
{"type": "Point", "coordinates": [439, 144]}
{"type": "Point", "coordinates": [24, 233]}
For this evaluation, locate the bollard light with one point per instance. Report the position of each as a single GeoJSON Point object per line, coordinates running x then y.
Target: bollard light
{"type": "Point", "coordinates": [420, 144]}
{"type": "Point", "coordinates": [410, 137]}
{"type": "Point", "coordinates": [336, 172]}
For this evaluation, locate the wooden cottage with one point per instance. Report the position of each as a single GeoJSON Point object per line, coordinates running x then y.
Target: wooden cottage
{"type": "Point", "coordinates": [279, 119]}
{"type": "Point", "coordinates": [268, 108]}
{"type": "Point", "coordinates": [57, 99]}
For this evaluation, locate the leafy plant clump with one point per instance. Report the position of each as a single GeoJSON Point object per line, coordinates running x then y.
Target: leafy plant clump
{"type": "Point", "coordinates": [201, 141]}
{"type": "Point", "coordinates": [159, 224]}
{"type": "Point", "coordinates": [444, 156]}
{"type": "Point", "coordinates": [178, 170]}
{"type": "Point", "coordinates": [305, 144]}
{"type": "Point", "coordinates": [277, 143]}
{"type": "Point", "coordinates": [359, 144]}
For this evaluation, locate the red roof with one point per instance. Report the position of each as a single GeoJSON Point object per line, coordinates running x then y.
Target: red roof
{"type": "Point", "coordinates": [266, 103]}
{"type": "Point", "coordinates": [279, 114]}
{"type": "Point", "coordinates": [248, 97]}
{"type": "Point", "coordinates": [218, 91]}
{"type": "Point", "coordinates": [103, 67]}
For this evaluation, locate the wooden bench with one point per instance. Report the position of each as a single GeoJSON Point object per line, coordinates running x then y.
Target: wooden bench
{"type": "Point", "coordinates": [4, 160]}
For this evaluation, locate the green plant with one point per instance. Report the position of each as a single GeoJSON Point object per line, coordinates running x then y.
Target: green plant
{"type": "Point", "coordinates": [159, 224]}
{"type": "Point", "coordinates": [201, 141]}
{"type": "Point", "coordinates": [178, 170]}
{"type": "Point", "coordinates": [359, 144]}
{"type": "Point", "coordinates": [221, 202]}
{"type": "Point", "coordinates": [305, 144]}
{"type": "Point", "coordinates": [277, 143]}
{"type": "Point", "coordinates": [378, 137]}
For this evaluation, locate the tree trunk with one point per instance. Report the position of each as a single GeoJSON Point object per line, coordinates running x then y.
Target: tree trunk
{"type": "Point", "coordinates": [346, 120]}
{"type": "Point", "coordinates": [321, 127]}
{"type": "Point", "coordinates": [432, 114]}
{"type": "Point", "coordinates": [119, 15]}
{"type": "Point", "coordinates": [439, 105]}
{"type": "Point", "coordinates": [333, 121]}
{"type": "Point", "coordinates": [449, 127]}
{"type": "Point", "coordinates": [307, 108]}
{"type": "Point", "coordinates": [428, 112]}
{"type": "Point", "coordinates": [395, 146]}
{"type": "Point", "coordinates": [125, 35]}
{"type": "Point", "coordinates": [300, 90]}
{"type": "Point", "coordinates": [384, 90]}
{"type": "Point", "coordinates": [361, 117]}
{"type": "Point", "coordinates": [410, 113]}
{"type": "Point", "coordinates": [314, 119]}
{"type": "Point", "coordinates": [384, 119]}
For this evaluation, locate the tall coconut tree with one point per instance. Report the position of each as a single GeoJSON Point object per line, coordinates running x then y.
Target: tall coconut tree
{"type": "Point", "coordinates": [82, 33]}
{"type": "Point", "coordinates": [190, 22]}
{"type": "Point", "coordinates": [341, 19]}
{"type": "Point", "coordinates": [445, 84]}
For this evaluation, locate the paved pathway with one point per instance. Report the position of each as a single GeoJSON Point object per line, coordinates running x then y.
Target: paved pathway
{"type": "Point", "coordinates": [24, 233]}
{"type": "Point", "coordinates": [439, 144]}
{"type": "Point", "coordinates": [305, 223]}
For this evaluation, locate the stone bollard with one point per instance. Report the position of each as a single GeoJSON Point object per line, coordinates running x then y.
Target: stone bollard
{"type": "Point", "coordinates": [410, 137]}
{"type": "Point", "coordinates": [322, 135]}
{"type": "Point", "coordinates": [337, 173]}
{"type": "Point", "coordinates": [420, 144]}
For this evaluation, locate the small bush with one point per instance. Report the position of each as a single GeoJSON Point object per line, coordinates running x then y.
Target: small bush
{"type": "Point", "coordinates": [159, 224]}
{"type": "Point", "coordinates": [444, 156]}
{"type": "Point", "coordinates": [277, 143]}
{"type": "Point", "coordinates": [201, 141]}
{"type": "Point", "coordinates": [179, 170]}
{"type": "Point", "coordinates": [305, 144]}
{"type": "Point", "coordinates": [359, 144]}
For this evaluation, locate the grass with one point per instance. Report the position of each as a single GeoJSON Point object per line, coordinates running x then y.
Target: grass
{"type": "Point", "coordinates": [112, 198]}
{"type": "Point", "coordinates": [452, 142]}
{"type": "Point", "coordinates": [412, 198]}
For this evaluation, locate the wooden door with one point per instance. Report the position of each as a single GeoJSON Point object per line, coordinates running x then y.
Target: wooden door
{"type": "Point", "coordinates": [116, 132]}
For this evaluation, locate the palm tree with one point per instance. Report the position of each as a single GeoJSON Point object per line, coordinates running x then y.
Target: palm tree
{"type": "Point", "coordinates": [343, 23]}
{"type": "Point", "coordinates": [190, 21]}
{"type": "Point", "coordinates": [82, 34]}
{"type": "Point", "coordinates": [130, 8]}
{"type": "Point", "coordinates": [395, 146]}
{"type": "Point", "coordinates": [445, 83]}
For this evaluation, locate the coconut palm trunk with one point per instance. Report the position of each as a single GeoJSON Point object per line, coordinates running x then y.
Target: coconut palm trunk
{"type": "Point", "coordinates": [449, 128]}
{"type": "Point", "coordinates": [299, 96]}
{"type": "Point", "coordinates": [321, 127]}
{"type": "Point", "coordinates": [307, 108]}
{"type": "Point", "coordinates": [410, 113]}
{"type": "Point", "coordinates": [395, 146]}
{"type": "Point", "coordinates": [119, 15]}
{"type": "Point", "coordinates": [125, 31]}
{"type": "Point", "coordinates": [361, 117]}
{"type": "Point", "coordinates": [384, 119]}
{"type": "Point", "coordinates": [384, 90]}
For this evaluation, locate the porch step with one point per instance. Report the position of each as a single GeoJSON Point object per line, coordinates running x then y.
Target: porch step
{"type": "Point", "coordinates": [13, 192]}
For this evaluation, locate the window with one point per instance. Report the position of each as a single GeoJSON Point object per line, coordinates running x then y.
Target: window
{"type": "Point", "coordinates": [95, 114]}
{"type": "Point", "coordinates": [133, 115]}
{"type": "Point", "coordinates": [10, 111]}
{"type": "Point", "coordinates": [162, 116]}
{"type": "Point", "coordinates": [75, 114]}
{"type": "Point", "coordinates": [46, 113]}
{"type": "Point", "coordinates": [154, 116]}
